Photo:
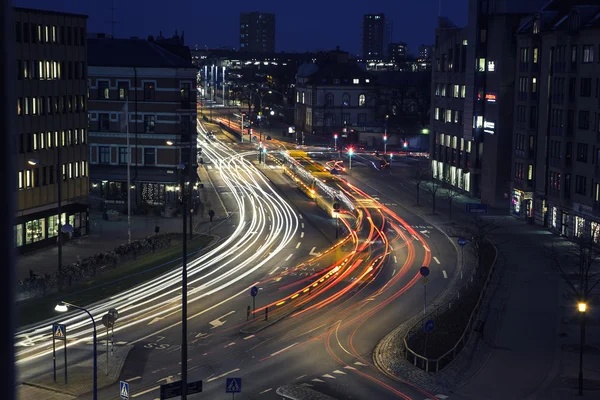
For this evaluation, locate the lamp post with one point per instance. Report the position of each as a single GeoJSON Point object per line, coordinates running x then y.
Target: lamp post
{"type": "Point", "coordinates": [350, 152]}
{"type": "Point", "coordinates": [582, 307]}
{"type": "Point", "coordinates": [335, 136]}
{"type": "Point", "coordinates": [66, 228]}
{"type": "Point", "coordinates": [385, 144]}
{"type": "Point", "coordinates": [184, 349]}
{"type": "Point", "coordinates": [64, 307]}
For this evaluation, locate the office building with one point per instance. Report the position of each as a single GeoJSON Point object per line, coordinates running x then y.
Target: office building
{"type": "Point", "coordinates": [376, 36]}
{"type": "Point", "coordinates": [397, 52]}
{"type": "Point", "coordinates": [257, 32]}
{"type": "Point", "coordinates": [473, 85]}
{"type": "Point", "coordinates": [159, 89]}
{"type": "Point", "coordinates": [556, 156]}
{"type": "Point", "coordinates": [51, 126]}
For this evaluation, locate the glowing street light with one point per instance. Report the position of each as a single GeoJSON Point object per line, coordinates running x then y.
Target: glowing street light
{"type": "Point", "coordinates": [582, 307]}
{"type": "Point", "coordinates": [350, 152]}
{"type": "Point", "coordinates": [335, 136]}
{"type": "Point", "coordinates": [385, 144]}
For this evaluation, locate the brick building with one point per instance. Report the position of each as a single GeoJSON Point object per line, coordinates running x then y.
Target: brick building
{"type": "Point", "coordinates": [159, 90]}
{"type": "Point", "coordinates": [51, 125]}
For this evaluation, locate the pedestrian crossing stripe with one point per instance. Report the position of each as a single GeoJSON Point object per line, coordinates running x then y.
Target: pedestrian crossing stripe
{"type": "Point", "coordinates": [59, 331]}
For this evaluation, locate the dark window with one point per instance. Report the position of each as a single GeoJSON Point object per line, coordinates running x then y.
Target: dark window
{"type": "Point", "coordinates": [584, 120]}
{"type": "Point", "coordinates": [104, 157]}
{"type": "Point", "coordinates": [103, 90]}
{"type": "Point", "coordinates": [20, 69]}
{"type": "Point", "coordinates": [61, 36]}
{"type": "Point", "coordinates": [149, 123]}
{"type": "Point", "coordinates": [585, 87]}
{"type": "Point", "coordinates": [103, 122]}
{"type": "Point", "coordinates": [533, 117]}
{"type": "Point", "coordinates": [149, 90]}
{"type": "Point", "coordinates": [122, 155]}
{"type": "Point", "coordinates": [567, 186]}
{"type": "Point", "coordinates": [149, 156]}
{"type": "Point", "coordinates": [123, 90]}
{"type": "Point", "coordinates": [33, 33]}
{"type": "Point", "coordinates": [44, 176]}
{"type": "Point", "coordinates": [18, 32]}
{"type": "Point", "coordinates": [185, 124]}
{"type": "Point", "coordinates": [26, 32]}
{"type": "Point", "coordinates": [69, 36]}
{"type": "Point", "coordinates": [51, 175]}
{"type": "Point", "coordinates": [580, 184]}
{"type": "Point", "coordinates": [582, 150]}
{"type": "Point", "coordinates": [185, 95]}
{"type": "Point", "coordinates": [36, 177]}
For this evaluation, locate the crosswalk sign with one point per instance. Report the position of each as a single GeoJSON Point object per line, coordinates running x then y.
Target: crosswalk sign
{"type": "Point", "coordinates": [59, 331]}
{"type": "Point", "coordinates": [124, 390]}
{"type": "Point", "coordinates": [233, 385]}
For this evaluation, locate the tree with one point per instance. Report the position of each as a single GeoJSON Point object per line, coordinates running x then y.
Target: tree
{"type": "Point", "coordinates": [478, 232]}
{"type": "Point", "coordinates": [450, 194]}
{"type": "Point", "coordinates": [422, 176]}
{"type": "Point", "coordinates": [433, 187]}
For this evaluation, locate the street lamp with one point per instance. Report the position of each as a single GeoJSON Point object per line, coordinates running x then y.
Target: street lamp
{"type": "Point", "coordinates": [66, 228]}
{"type": "Point", "coordinates": [64, 307]}
{"type": "Point", "coordinates": [582, 307]}
{"type": "Point", "coordinates": [335, 136]}
{"type": "Point", "coordinates": [384, 144]}
{"type": "Point", "coordinates": [350, 152]}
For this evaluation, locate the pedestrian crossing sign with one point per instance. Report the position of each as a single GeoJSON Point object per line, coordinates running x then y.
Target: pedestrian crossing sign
{"type": "Point", "coordinates": [233, 385]}
{"type": "Point", "coordinates": [124, 390]}
{"type": "Point", "coordinates": [59, 331]}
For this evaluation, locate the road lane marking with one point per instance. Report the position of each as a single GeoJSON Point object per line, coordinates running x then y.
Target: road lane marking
{"type": "Point", "coordinates": [394, 273]}
{"type": "Point", "coordinates": [302, 225]}
{"type": "Point", "coordinates": [395, 260]}
{"type": "Point", "coordinates": [300, 215]}
{"type": "Point", "coordinates": [265, 391]}
{"type": "Point", "coordinates": [133, 379]}
{"type": "Point", "coordinates": [298, 245]}
{"type": "Point", "coordinates": [361, 364]}
{"type": "Point", "coordinates": [273, 271]}
{"type": "Point", "coordinates": [350, 368]}
{"type": "Point", "coordinates": [312, 252]}
{"type": "Point", "coordinates": [215, 323]}
{"type": "Point", "coordinates": [282, 350]}
{"type": "Point", "coordinates": [288, 257]}
{"type": "Point", "coordinates": [228, 345]}
{"type": "Point", "coordinates": [249, 337]}
{"type": "Point", "coordinates": [436, 260]}
{"type": "Point", "coordinates": [445, 274]}
{"type": "Point", "coordinates": [306, 385]}
{"type": "Point", "coordinates": [301, 376]}
{"type": "Point", "coordinates": [317, 380]}
{"type": "Point", "coordinates": [337, 371]}
{"type": "Point", "coordinates": [328, 376]}
{"type": "Point", "coordinates": [301, 234]}
{"type": "Point", "coordinates": [120, 343]}
{"type": "Point", "coordinates": [223, 375]}
{"type": "Point", "coordinates": [145, 391]}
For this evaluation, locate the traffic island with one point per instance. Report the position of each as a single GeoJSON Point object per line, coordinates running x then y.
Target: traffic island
{"type": "Point", "coordinates": [79, 376]}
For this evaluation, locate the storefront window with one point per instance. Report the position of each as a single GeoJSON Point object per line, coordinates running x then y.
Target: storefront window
{"type": "Point", "coordinates": [595, 231]}
{"type": "Point", "coordinates": [35, 230]}
{"type": "Point", "coordinates": [554, 217]}
{"type": "Point", "coordinates": [18, 235]}
{"type": "Point", "coordinates": [516, 201]}
{"type": "Point", "coordinates": [52, 225]}
{"type": "Point", "coordinates": [579, 226]}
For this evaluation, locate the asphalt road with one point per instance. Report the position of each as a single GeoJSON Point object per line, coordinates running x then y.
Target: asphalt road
{"type": "Point", "coordinates": [327, 336]}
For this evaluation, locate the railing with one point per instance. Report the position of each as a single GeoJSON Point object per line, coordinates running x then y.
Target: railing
{"type": "Point", "coordinates": [427, 363]}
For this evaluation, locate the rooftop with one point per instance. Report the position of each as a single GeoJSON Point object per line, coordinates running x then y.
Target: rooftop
{"type": "Point", "coordinates": [105, 52]}
{"type": "Point", "coordinates": [37, 11]}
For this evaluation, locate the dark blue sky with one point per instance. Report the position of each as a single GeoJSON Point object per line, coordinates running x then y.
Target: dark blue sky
{"type": "Point", "coordinates": [303, 25]}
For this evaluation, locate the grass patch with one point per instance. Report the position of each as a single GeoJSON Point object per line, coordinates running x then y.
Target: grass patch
{"type": "Point", "coordinates": [123, 277]}
{"type": "Point", "coordinates": [450, 325]}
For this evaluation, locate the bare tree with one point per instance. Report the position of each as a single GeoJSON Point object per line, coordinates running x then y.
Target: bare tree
{"type": "Point", "coordinates": [422, 176]}
{"type": "Point", "coordinates": [433, 187]}
{"type": "Point", "coordinates": [478, 232]}
{"type": "Point", "coordinates": [450, 194]}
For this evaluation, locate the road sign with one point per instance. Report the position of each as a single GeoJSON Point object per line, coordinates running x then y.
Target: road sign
{"type": "Point", "coordinates": [461, 242]}
{"type": "Point", "coordinates": [108, 321]}
{"type": "Point", "coordinates": [194, 387]}
{"type": "Point", "coordinates": [424, 281]}
{"type": "Point", "coordinates": [268, 137]}
{"type": "Point", "coordinates": [114, 313]}
{"type": "Point", "coordinates": [253, 291]}
{"type": "Point", "coordinates": [424, 270]}
{"type": "Point", "coordinates": [169, 390]}
{"type": "Point", "coordinates": [59, 331]}
{"type": "Point", "coordinates": [233, 385]}
{"type": "Point", "coordinates": [429, 326]}
{"type": "Point", "coordinates": [336, 206]}
{"type": "Point", "coordinates": [476, 208]}
{"type": "Point", "coordinates": [124, 390]}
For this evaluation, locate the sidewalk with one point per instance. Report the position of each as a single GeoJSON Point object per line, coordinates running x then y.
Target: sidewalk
{"type": "Point", "coordinates": [528, 348]}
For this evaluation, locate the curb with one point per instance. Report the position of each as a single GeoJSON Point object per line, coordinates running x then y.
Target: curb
{"type": "Point", "coordinates": [261, 328]}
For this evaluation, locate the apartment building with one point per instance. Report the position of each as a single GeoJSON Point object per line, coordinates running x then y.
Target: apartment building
{"type": "Point", "coordinates": [473, 86]}
{"type": "Point", "coordinates": [556, 144]}
{"type": "Point", "coordinates": [257, 32]}
{"type": "Point", "coordinates": [51, 126]}
{"type": "Point", "coordinates": [138, 89]}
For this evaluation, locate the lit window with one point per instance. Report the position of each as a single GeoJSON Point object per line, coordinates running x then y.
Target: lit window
{"type": "Point", "coordinates": [530, 172]}
{"type": "Point", "coordinates": [76, 170]}
{"type": "Point", "coordinates": [362, 99]}
{"type": "Point", "coordinates": [33, 106]}
{"type": "Point", "coordinates": [465, 42]}
{"type": "Point", "coordinates": [448, 115]}
{"type": "Point", "coordinates": [20, 180]}
{"type": "Point", "coordinates": [367, 81]}
{"type": "Point", "coordinates": [491, 66]}
{"type": "Point", "coordinates": [463, 91]}
{"type": "Point", "coordinates": [481, 65]}
{"type": "Point", "coordinates": [28, 178]}
{"type": "Point", "coordinates": [456, 90]}
{"type": "Point", "coordinates": [437, 114]}
{"type": "Point", "coordinates": [478, 121]}
{"type": "Point", "coordinates": [534, 85]}
{"type": "Point", "coordinates": [536, 52]}
{"type": "Point", "coordinates": [356, 81]}
{"type": "Point", "coordinates": [302, 97]}
{"type": "Point", "coordinates": [35, 142]}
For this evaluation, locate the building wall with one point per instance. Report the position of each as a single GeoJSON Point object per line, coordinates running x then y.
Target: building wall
{"type": "Point", "coordinates": [51, 52]}
{"type": "Point", "coordinates": [161, 107]}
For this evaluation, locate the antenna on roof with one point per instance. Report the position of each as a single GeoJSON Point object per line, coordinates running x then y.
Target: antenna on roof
{"type": "Point", "coordinates": [112, 18]}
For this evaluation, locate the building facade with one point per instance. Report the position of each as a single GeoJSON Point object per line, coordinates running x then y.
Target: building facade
{"type": "Point", "coordinates": [51, 126]}
{"type": "Point", "coordinates": [157, 91]}
{"type": "Point", "coordinates": [335, 96]}
{"type": "Point", "coordinates": [257, 32]}
{"type": "Point", "coordinates": [556, 155]}
{"type": "Point", "coordinates": [473, 85]}
{"type": "Point", "coordinates": [376, 36]}
{"type": "Point", "coordinates": [397, 52]}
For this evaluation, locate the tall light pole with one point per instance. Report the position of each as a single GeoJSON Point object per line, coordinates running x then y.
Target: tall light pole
{"type": "Point", "coordinates": [582, 307]}
{"type": "Point", "coordinates": [335, 136]}
{"type": "Point", "coordinates": [184, 349]}
{"type": "Point", "coordinates": [385, 144]}
{"type": "Point", "coordinates": [350, 152]}
{"type": "Point", "coordinates": [64, 307]}
{"type": "Point", "coordinates": [66, 228]}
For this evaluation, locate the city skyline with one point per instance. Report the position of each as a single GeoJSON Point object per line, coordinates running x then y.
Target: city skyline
{"type": "Point", "coordinates": [316, 26]}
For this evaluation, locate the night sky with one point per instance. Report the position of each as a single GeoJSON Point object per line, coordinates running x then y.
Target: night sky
{"type": "Point", "coordinates": [304, 25]}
